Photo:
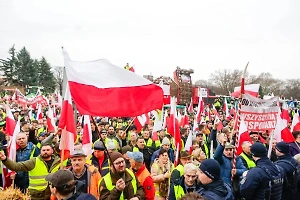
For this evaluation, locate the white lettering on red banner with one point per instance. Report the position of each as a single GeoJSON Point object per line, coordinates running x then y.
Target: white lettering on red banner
{"type": "Point", "coordinates": [259, 114]}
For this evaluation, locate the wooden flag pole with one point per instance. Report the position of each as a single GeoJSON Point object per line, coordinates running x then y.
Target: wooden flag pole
{"type": "Point", "coordinates": [63, 140]}
{"type": "Point", "coordinates": [237, 119]}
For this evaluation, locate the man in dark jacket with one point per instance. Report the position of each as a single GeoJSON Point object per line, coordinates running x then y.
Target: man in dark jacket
{"type": "Point", "coordinates": [256, 184]}
{"type": "Point", "coordinates": [147, 153]}
{"type": "Point", "coordinates": [212, 185]}
{"type": "Point", "coordinates": [291, 169]}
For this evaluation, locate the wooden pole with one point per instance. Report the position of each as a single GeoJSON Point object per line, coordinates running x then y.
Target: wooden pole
{"type": "Point", "coordinates": [238, 119]}
{"type": "Point", "coordinates": [63, 140]}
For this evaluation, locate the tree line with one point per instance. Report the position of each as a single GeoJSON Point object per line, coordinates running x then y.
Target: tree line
{"type": "Point", "coordinates": [223, 82]}
{"type": "Point", "coordinates": [20, 69]}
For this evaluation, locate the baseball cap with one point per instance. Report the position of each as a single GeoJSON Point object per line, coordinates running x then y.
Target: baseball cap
{"type": "Point", "coordinates": [136, 156]}
{"type": "Point", "coordinates": [228, 145]}
{"type": "Point", "coordinates": [60, 178]}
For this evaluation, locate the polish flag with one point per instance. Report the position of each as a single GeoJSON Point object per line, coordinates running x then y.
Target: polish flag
{"type": "Point", "coordinates": [59, 99]}
{"type": "Point", "coordinates": [285, 114]}
{"type": "Point", "coordinates": [200, 109]}
{"type": "Point", "coordinates": [191, 108]}
{"type": "Point", "coordinates": [173, 125]}
{"type": "Point", "coordinates": [67, 122]}
{"type": "Point", "coordinates": [132, 69]}
{"type": "Point", "coordinates": [10, 122]}
{"type": "Point", "coordinates": [185, 119]}
{"type": "Point", "coordinates": [87, 136]}
{"type": "Point", "coordinates": [12, 146]}
{"type": "Point", "coordinates": [179, 118]}
{"type": "Point", "coordinates": [251, 89]}
{"type": "Point", "coordinates": [119, 91]}
{"type": "Point", "coordinates": [189, 143]}
{"type": "Point", "coordinates": [39, 114]}
{"type": "Point", "coordinates": [296, 122]}
{"type": "Point", "coordinates": [281, 132]}
{"type": "Point", "coordinates": [218, 122]}
{"type": "Point", "coordinates": [165, 119]}
{"type": "Point", "coordinates": [195, 125]}
{"type": "Point", "coordinates": [140, 122]}
{"type": "Point", "coordinates": [243, 136]}
{"type": "Point", "coordinates": [226, 108]}
{"type": "Point", "coordinates": [50, 121]}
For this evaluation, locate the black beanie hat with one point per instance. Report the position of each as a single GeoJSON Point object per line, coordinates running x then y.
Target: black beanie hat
{"type": "Point", "coordinates": [211, 168]}
{"type": "Point", "coordinates": [283, 147]}
{"type": "Point", "coordinates": [258, 150]}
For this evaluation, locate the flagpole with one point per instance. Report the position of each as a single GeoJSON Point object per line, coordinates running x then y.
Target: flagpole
{"type": "Point", "coordinates": [63, 140]}
{"type": "Point", "coordinates": [270, 145]}
{"type": "Point", "coordinates": [237, 119]}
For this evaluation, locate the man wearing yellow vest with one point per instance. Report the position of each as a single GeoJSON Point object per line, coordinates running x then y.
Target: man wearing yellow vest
{"type": "Point", "coordinates": [246, 156]}
{"type": "Point", "coordinates": [185, 157]}
{"type": "Point", "coordinates": [143, 175]}
{"type": "Point", "coordinates": [38, 168]}
{"type": "Point", "coordinates": [185, 184]}
{"type": "Point", "coordinates": [120, 183]}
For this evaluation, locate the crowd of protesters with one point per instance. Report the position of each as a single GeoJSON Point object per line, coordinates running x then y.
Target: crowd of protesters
{"type": "Point", "coordinates": [131, 164]}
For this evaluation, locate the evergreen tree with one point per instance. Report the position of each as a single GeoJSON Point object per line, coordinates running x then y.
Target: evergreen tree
{"type": "Point", "coordinates": [46, 77]}
{"type": "Point", "coordinates": [9, 68]}
{"type": "Point", "coordinates": [27, 71]}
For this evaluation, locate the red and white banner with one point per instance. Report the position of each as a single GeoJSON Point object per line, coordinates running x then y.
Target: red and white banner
{"type": "Point", "coordinates": [259, 114]}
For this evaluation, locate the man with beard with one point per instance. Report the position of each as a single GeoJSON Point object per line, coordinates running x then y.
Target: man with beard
{"type": "Point", "coordinates": [120, 183]}
{"type": "Point", "coordinates": [38, 168]}
{"type": "Point", "coordinates": [88, 174]}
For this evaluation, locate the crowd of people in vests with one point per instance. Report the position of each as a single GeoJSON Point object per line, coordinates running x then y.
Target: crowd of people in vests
{"type": "Point", "coordinates": [130, 164]}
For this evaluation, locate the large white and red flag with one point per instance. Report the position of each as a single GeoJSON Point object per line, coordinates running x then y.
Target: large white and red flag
{"type": "Point", "coordinates": [50, 121]}
{"type": "Point", "coordinates": [10, 121]}
{"type": "Point", "coordinates": [87, 143]}
{"type": "Point", "coordinates": [251, 89]}
{"type": "Point", "coordinates": [67, 123]}
{"type": "Point", "coordinates": [281, 132]}
{"type": "Point", "coordinates": [119, 91]}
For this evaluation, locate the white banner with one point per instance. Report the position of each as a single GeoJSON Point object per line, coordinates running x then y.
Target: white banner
{"type": "Point", "coordinates": [202, 92]}
{"type": "Point", "coordinates": [259, 114]}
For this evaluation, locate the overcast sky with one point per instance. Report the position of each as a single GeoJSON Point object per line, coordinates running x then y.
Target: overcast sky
{"type": "Point", "coordinates": [157, 36]}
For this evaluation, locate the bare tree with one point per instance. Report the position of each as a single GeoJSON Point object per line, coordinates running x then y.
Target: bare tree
{"type": "Point", "coordinates": [224, 81]}
{"type": "Point", "coordinates": [267, 83]}
{"type": "Point", "coordinates": [292, 89]}
{"type": "Point", "coordinates": [59, 75]}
